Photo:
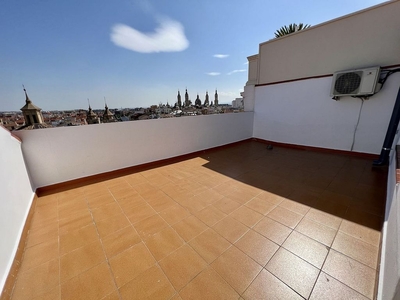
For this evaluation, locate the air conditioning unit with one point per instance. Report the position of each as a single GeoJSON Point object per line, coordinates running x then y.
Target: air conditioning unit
{"type": "Point", "coordinates": [358, 82]}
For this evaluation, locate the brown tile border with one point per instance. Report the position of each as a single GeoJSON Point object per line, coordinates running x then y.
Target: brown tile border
{"type": "Point", "coordinates": [75, 183]}
{"type": "Point", "coordinates": [315, 77]}
{"type": "Point", "coordinates": [318, 149]}
{"type": "Point", "coordinates": [12, 274]}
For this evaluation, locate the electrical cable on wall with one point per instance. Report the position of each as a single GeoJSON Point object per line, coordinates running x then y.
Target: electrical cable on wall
{"type": "Point", "coordinates": [358, 121]}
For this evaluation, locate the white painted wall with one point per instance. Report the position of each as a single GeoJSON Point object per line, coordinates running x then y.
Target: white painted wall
{"type": "Point", "coordinates": [60, 154]}
{"type": "Point", "coordinates": [15, 201]}
{"type": "Point", "coordinates": [389, 273]}
{"type": "Point", "coordinates": [302, 113]}
{"type": "Point", "coordinates": [362, 39]}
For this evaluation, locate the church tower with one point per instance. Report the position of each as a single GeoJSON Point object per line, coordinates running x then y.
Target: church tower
{"type": "Point", "coordinates": [179, 99]}
{"type": "Point", "coordinates": [198, 101]}
{"type": "Point", "coordinates": [91, 116]}
{"type": "Point", "coordinates": [108, 116]}
{"type": "Point", "coordinates": [216, 98]}
{"type": "Point", "coordinates": [32, 113]}
{"type": "Point", "coordinates": [187, 101]}
{"type": "Point", "coordinates": [207, 100]}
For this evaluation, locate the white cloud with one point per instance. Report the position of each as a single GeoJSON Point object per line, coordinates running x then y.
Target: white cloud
{"type": "Point", "coordinates": [213, 73]}
{"type": "Point", "coordinates": [221, 55]}
{"type": "Point", "coordinates": [246, 63]}
{"type": "Point", "coordinates": [236, 71]}
{"type": "Point", "coordinates": [168, 37]}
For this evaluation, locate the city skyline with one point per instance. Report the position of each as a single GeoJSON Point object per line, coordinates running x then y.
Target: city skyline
{"type": "Point", "coordinates": [138, 53]}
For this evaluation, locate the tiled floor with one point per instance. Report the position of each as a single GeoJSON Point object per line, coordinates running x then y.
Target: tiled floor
{"type": "Point", "coordinates": [241, 222]}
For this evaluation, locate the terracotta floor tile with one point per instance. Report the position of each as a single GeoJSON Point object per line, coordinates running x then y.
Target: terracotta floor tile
{"type": "Point", "coordinates": [182, 265]}
{"type": "Point", "coordinates": [306, 248]}
{"type": "Point", "coordinates": [209, 245]}
{"type": "Point", "coordinates": [161, 203]}
{"type": "Point", "coordinates": [327, 286]}
{"type": "Point", "coordinates": [37, 280]}
{"type": "Point", "coordinates": [267, 286]}
{"type": "Point", "coordinates": [246, 216]}
{"type": "Point", "coordinates": [230, 229]}
{"type": "Point", "coordinates": [151, 284]}
{"type": "Point", "coordinates": [257, 247]}
{"type": "Point", "coordinates": [113, 296]}
{"type": "Point", "coordinates": [53, 294]}
{"type": "Point", "coordinates": [324, 218]}
{"type": "Point", "coordinates": [39, 254]}
{"type": "Point", "coordinates": [273, 230]}
{"type": "Point", "coordinates": [129, 204]}
{"type": "Point", "coordinates": [210, 215]}
{"type": "Point", "coordinates": [143, 187]}
{"type": "Point", "coordinates": [140, 213]}
{"type": "Point", "coordinates": [147, 227]}
{"type": "Point", "coordinates": [131, 263]}
{"type": "Point", "coordinates": [111, 225]}
{"type": "Point", "coordinates": [74, 206]}
{"type": "Point", "coordinates": [43, 234]}
{"type": "Point", "coordinates": [189, 228]}
{"type": "Point", "coordinates": [208, 285]}
{"type": "Point", "coordinates": [135, 179]}
{"type": "Point", "coordinates": [75, 262]}
{"type": "Point", "coordinates": [238, 269]}
{"type": "Point", "coordinates": [163, 243]}
{"type": "Point", "coordinates": [295, 206]}
{"type": "Point", "coordinates": [77, 238]}
{"type": "Point", "coordinates": [368, 235]}
{"type": "Point", "coordinates": [356, 249]}
{"type": "Point", "coordinates": [270, 198]}
{"type": "Point", "coordinates": [350, 272]}
{"type": "Point", "coordinates": [95, 283]}
{"type": "Point", "coordinates": [293, 271]}
{"type": "Point", "coordinates": [106, 211]}
{"type": "Point", "coordinates": [285, 216]}
{"type": "Point", "coordinates": [75, 222]}
{"type": "Point", "coordinates": [317, 231]}
{"type": "Point", "coordinates": [102, 199]}
{"type": "Point", "coordinates": [364, 218]}
{"type": "Point", "coordinates": [226, 205]}
{"type": "Point", "coordinates": [123, 193]}
{"type": "Point", "coordinates": [174, 214]}
{"type": "Point", "coordinates": [120, 240]}
{"type": "Point", "coordinates": [260, 205]}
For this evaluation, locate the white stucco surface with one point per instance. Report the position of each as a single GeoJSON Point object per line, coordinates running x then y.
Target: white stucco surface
{"type": "Point", "coordinates": [366, 38]}
{"type": "Point", "coordinates": [302, 113]}
{"type": "Point", "coordinates": [60, 154]}
{"type": "Point", "coordinates": [15, 200]}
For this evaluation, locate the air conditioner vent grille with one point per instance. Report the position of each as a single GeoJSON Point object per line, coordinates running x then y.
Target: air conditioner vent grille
{"type": "Point", "coordinates": [348, 83]}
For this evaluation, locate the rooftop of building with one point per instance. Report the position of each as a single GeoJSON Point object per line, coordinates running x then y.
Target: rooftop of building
{"type": "Point", "coordinates": [238, 221]}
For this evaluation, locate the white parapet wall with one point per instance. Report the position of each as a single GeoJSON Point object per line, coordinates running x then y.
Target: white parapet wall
{"type": "Point", "coordinates": [303, 113]}
{"type": "Point", "coordinates": [57, 155]}
{"type": "Point", "coordinates": [15, 200]}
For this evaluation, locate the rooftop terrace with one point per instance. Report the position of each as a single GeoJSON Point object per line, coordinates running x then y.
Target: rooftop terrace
{"type": "Point", "coordinates": [238, 222]}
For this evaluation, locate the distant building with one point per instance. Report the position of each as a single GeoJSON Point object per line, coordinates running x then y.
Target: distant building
{"type": "Point", "coordinates": [91, 116]}
{"type": "Point", "coordinates": [207, 100]}
{"type": "Point", "coordinates": [108, 116]}
{"type": "Point", "coordinates": [216, 98]}
{"type": "Point", "coordinates": [32, 115]}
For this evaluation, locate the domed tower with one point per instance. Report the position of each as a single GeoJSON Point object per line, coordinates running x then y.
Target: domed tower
{"type": "Point", "coordinates": [179, 99]}
{"type": "Point", "coordinates": [32, 113]}
{"type": "Point", "coordinates": [207, 100]}
{"type": "Point", "coordinates": [198, 101]}
{"type": "Point", "coordinates": [91, 116]}
{"type": "Point", "coordinates": [108, 116]}
{"type": "Point", "coordinates": [216, 98]}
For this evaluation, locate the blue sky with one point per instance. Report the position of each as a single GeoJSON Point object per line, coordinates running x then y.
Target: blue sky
{"type": "Point", "coordinates": [139, 52]}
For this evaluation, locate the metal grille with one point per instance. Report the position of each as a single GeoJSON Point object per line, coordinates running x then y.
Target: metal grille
{"type": "Point", "coordinates": [348, 83]}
